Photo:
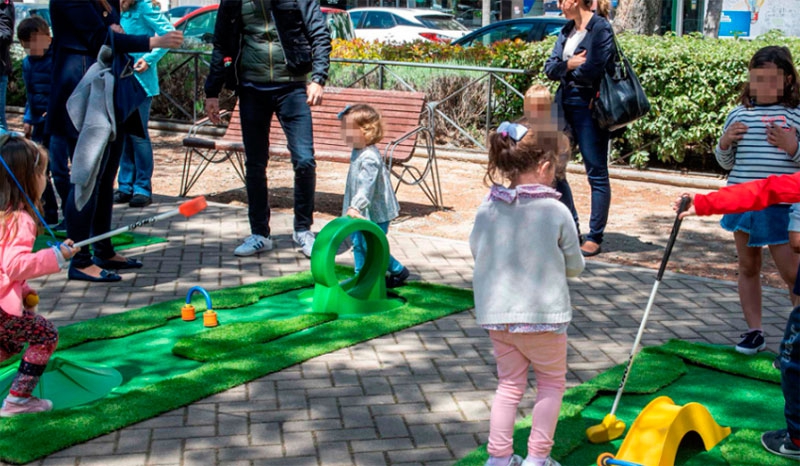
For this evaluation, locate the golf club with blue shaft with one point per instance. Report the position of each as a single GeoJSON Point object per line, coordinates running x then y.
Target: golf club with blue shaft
{"type": "Point", "coordinates": [612, 428]}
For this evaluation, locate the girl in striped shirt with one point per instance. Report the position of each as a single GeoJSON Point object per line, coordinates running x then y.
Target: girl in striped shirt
{"type": "Point", "coordinates": [760, 138]}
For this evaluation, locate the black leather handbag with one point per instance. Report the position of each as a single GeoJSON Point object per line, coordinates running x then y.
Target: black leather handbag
{"type": "Point", "coordinates": [128, 91]}
{"type": "Point", "coordinates": [620, 100]}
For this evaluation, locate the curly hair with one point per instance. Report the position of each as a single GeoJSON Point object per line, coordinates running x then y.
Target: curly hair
{"type": "Point", "coordinates": [368, 119]}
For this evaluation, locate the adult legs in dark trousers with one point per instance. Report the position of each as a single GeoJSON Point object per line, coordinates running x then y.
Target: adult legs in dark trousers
{"type": "Point", "coordinates": [593, 143]}
{"type": "Point", "coordinates": [49, 201]}
{"type": "Point", "coordinates": [256, 108]}
{"type": "Point", "coordinates": [61, 150]}
{"type": "Point", "coordinates": [786, 442]}
{"type": "Point", "coordinates": [94, 219]}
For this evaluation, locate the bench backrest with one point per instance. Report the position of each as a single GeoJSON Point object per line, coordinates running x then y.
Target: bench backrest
{"type": "Point", "coordinates": [401, 112]}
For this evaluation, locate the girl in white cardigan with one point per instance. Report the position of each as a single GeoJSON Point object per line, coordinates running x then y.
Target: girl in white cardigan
{"type": "Point", "coordinates": [525, 246]}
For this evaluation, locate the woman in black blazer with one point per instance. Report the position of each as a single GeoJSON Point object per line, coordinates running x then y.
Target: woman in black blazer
{"type": "Point", "coordinates": [580, 58]}
{"type": "Point", "coordinates": [80, 28]}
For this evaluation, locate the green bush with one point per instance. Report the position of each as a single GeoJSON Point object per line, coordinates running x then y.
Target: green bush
{"type": "Point", "coordinates": [692, 82]}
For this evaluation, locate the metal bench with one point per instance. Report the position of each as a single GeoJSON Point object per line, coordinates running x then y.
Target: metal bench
{"type": "Point", "coordinates": [405, 114]}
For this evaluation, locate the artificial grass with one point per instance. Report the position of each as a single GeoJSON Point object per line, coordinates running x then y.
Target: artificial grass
{"type": "Point", "coordinates": [120, 242]}
{"type": "Point", "coordinates": [139, 344]}
{"type": "Point", "coordinates": [742, 392]}
{"type": "Point", "coordinates": [219, 342]}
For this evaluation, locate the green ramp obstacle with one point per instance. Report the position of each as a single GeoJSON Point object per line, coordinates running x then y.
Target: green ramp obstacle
{"type": "Point", "coordinates": [741, 392]}
{"type": "Point", "coordinates": [165, 362]}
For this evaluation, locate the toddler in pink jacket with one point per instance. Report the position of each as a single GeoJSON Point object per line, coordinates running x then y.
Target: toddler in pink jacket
{"type": "Point", "coordinates": [23, 179]}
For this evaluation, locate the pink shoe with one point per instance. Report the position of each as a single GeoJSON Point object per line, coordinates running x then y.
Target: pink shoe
{"type": "Point", "coordinates": [32, 405]}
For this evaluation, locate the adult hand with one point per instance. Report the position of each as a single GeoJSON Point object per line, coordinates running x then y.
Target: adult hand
{"type": "Point", "coordinates": [577, 60]}
{"type": "Point", "coordinates": [117, 28]}
{"type": "Point", "coordinates": [689, 209]}
{"type": "Point", "coordinates": [314, 92]}
{"type": "Point", "coordinates": [68, 249]}
{"type": "Point", "coordinates": [212, 110]}
{"type": "Point", "coordinates": [353, 212]}
{"type": "Point", "coordinates": [782, 138]}
{"type": "Point", "coordinates": [140, 66]}
{"type": "Point", "coordinates": [735, 132]}
{"type": "Point", "coordinates": [27, 130]}
{"type": "Point", "coordinates": [170, 40]}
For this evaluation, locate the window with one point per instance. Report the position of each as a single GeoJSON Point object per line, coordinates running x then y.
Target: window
{"type": "Point", "coordinates": [378, 20]}
{"type": "Point", "coordinates": [443, 22]}
{"type": "Point", "coordinates": [201, 25]}
{"type": "Point", "coordinates": [506, 31]}
{"type": "Point", "coordinates": [355, 16]}
{"type": "Point", "coordinates": [552, 29]}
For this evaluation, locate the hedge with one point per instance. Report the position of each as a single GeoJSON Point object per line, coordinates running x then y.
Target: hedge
{"type": "Point", "coordinates": [692, 82]}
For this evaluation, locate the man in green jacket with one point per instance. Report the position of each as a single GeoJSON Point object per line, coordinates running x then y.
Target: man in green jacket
{"type": "Point", "coordinates": [265, 50]}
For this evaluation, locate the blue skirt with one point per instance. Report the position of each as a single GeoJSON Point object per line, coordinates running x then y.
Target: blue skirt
{"type": "Point", "coordinates": [765, 227]}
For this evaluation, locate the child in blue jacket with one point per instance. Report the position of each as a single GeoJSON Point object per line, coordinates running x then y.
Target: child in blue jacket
{"type": "Point", "coordinates": [37, 72]}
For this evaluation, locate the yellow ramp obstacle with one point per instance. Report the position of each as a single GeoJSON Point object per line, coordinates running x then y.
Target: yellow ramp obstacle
{"type": "Point", "coordinates": [654, 438]}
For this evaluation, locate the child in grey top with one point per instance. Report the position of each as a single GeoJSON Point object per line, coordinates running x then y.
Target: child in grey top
{"type": "Point", "coordinates": [368, 193]}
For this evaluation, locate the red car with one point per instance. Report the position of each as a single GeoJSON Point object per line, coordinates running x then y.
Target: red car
{"type": "Point", "coordinates": [199, 24]}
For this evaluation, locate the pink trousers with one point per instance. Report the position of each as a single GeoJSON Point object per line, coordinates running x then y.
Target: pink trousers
{"type": "Point", "coordinates": [515, 353]}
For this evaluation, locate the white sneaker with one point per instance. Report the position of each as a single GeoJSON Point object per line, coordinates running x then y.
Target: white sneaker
{"type": "Point", "coordinates": [515, 460]}
{"type": "Point", "coordinates": [253, 244]}
{"type": "Point", "coordinates": [304, 239]}
{"type": "Point", "coordinates": [548, 462]}
{"type": "Point", "coordinates": [30, 405]}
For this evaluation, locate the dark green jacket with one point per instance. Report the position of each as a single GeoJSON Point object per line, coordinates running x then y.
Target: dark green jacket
{"type": "Point", "coordinates": [265, 41]}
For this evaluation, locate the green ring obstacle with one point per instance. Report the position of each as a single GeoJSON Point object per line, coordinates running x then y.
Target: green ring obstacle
{"type": "Point", "coordinates": [366, 292]}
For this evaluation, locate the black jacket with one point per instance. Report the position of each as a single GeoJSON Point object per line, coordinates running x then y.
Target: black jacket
{"type": "Point", "coordinates": [304, 37]}
{"type": "Point", "coordinates": [80, 28]}
{"type": "Point", "coordinates": [37, 72]}
{"type": "Point", "coordinates": [600, 47]}
{"type": "Point", "coordinates": [6, 35]}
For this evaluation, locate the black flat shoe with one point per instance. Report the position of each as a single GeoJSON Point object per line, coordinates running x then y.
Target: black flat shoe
{"type": "Point", "coordinates": [128, 263]}
{"type": "Point", "coordinates": [590, 253]}
{"type": "Point", "coordinates": [140, 200]}
{"type": "Point", "coordinates": [105, 276]}
{"type": "Point", "coordinates": [121, 198]}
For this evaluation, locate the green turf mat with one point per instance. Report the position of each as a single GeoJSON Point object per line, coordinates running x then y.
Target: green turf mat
{"type": "Point", "coordinates": [140, 343]}
{"type": "Point", "coordinates": [121, 241]}
{"type": "Point", "coordinates": [741, 392]}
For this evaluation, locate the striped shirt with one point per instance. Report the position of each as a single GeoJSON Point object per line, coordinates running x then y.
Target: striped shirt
{"type": "Point", "coordinates": [753, 158]}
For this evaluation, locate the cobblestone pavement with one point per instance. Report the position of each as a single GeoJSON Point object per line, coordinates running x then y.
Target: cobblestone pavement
{"type": "Point", "coordinates": [417, 397]}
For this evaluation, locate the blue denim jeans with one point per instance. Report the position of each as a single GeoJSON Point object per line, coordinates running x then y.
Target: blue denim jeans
{"type": "Point", "coordinates": [563, 187]}
{"type": "Point", "coordinates": [3, 88]}
{"type": "Point", "coordinates": [790, 373]}
{"type": "Point", "coordinates": [593, 143]}
{"type": "Point", "coordinates": [61, 149]}
{"type": "Point", "coordinates": [360, 251]}
{"type": "Point", "coordinates": [136, 163]}
{"type": "Point", "coordinates": [256, 108]}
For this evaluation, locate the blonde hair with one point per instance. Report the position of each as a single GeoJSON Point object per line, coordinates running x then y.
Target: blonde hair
{"type": "Point", "coordinates": [538, 91]}
{"type": "Point", "coordinates": [368, 120]}
{"type": "Point", "coordinates": [509, 158]}
{"type": "Point", "coordinates": [26, 160]}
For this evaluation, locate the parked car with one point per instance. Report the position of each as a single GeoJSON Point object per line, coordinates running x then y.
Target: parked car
{"type": "Point", "coordinates": [532, 29]}
{"type": "Point", "coordinates": [179, 12]}
{"type": "Point", "coordinates": [26, 10]}
{"type": "Point", "coordinates": [405, 24]}
{"type": "Point", "coordinates": [472, 18]}
{"type": "Point", "coordinates": [199, 24]}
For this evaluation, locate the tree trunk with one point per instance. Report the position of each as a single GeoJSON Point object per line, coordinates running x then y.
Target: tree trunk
{"type": "Point", "coordinates": [713, 14]}
{"type": "Point", "coordinates": [638, 16]}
